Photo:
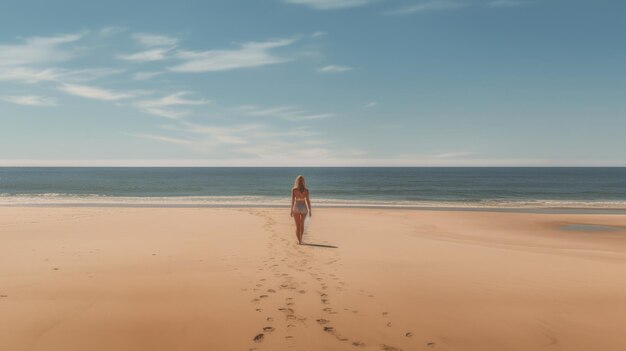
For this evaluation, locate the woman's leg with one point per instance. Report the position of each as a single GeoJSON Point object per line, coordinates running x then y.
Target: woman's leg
{"type": "Point", "coordinates": [300, 227]}
{"type": "Point", "coordinates": [296, 218]}
{"type": "Point", "coordinates": [302, 217]}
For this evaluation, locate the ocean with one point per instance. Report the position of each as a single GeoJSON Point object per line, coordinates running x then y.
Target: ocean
{"type": "Point", "coordinates": [334, 186]}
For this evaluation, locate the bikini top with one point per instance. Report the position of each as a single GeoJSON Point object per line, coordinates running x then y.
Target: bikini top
{"type": "Point", "coordinates": [303, 198]}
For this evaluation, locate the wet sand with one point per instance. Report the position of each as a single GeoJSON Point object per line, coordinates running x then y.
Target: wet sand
{"type": "Point", "coordinates": [233, 279]}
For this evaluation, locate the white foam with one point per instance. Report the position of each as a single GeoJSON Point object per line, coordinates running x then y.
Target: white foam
{"type": "Point", "coordinates": [243, 201]}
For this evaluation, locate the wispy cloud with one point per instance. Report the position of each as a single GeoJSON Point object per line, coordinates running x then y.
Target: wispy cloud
{"type": "Point", "coordinates": [145, 75]}
{"type": "Point", "coordinates": [112, 30]}
{"type": "Point", "coordinates": [87, 74]}
{"type": "Point", "coordinates": [507, 3]}
{"type": "Point", "coordinates": [290, 113]}
{"type": "Point", "coordinates": [29, 75]}
{"type": "Point", "coordinates": [37, 50]}
{"type": "Point", "coordinates": [330, 4]}
{"type": "Point", "coordinates": [151, 40]}
{"type": "Point", "coordinates": [233, 135]}
{"type": "Point", "coordinates": [249, 140]}
{"type": "Point", "coordinates": [29, 100]}
{"type": "Point", "coordinates": [162, 138]}
{"type": "Point", "coordinates": [370, 104]}
{"type": "Point", "coordinates": [433, 5]}
{"type": "Point", "coordinates": [334, 69]}
{"type": "Point", "coordinates": [90, 92]}
{"type": "Point", "coordinates": [252, 54]}
{"type": "Point", "coordinates": [159, 46]}
{"type": "Point", "coordinates": [157, 54]}
{"type": "Point", "coordinates": [318, 34]}
{"type": "Point", "coordinates": [459, 154]}
{"type": "Point", "coordinates": [163, 106]}
{"type": "Point", "coordinates": [36, 75]}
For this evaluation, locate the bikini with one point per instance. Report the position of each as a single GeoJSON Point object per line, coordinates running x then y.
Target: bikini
{"type": "Point", "coordinates": [299, 206]}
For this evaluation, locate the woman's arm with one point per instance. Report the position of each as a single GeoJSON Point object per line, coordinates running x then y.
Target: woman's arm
{"type": "Point", "coordinates": [308, 202]}
{"type": "Point", "coordinates": [293, 200]}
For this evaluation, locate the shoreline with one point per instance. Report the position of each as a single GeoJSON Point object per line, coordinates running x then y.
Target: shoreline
{"type": "Point", "coordinates": [529, 210]}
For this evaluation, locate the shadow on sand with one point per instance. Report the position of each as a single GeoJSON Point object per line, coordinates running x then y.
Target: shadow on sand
{"type": "Point", "coordinates": [321, 245]}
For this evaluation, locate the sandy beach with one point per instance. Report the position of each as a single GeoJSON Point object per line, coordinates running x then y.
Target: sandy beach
{"type": "Point", "coordinates": [89, 278]}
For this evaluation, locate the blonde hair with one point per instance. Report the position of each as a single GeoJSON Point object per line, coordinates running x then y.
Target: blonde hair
{"type": "Point", "coordinates": [299, 184]}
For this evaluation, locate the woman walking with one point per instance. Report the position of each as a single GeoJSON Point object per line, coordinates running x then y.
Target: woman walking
{"type": "Point", "coordinates": [300, 205]}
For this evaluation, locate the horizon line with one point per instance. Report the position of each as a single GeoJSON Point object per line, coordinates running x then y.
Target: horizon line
{"type": "Point", "coordinates": [317, 163]}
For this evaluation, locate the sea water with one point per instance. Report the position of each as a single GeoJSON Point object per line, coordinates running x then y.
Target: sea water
{"type": "Point", "coordinates": [329, 186]}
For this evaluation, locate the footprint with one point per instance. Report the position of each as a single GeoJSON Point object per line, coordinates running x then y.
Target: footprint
{"type": "Point", "coordinates": [271, 290]}
{"type": "Point", "coordinates": [408, 334]}
{"type": "Point", "coordinates": [358, 344]}
{"type": "Point", "coordinates": [268, 329]}
{"type": "Point", "coordinates": [262, 296]}
{"type": "Point", "coordinates": [431, 344]}
{"type": "Point", "coordinates": [329, 310]}
{"type": "Point", "coordinates": [259, 337]}
{"type": "Point", "coordinates": [385, 313]}
{"type": "Point", "coordinates": [323, 321]}
{"type": "Point", "coordinates": [269, 319]}
{"type": "Point", "coordinates": [389, 348]}
{"type": "Point", "coordinates": [329, 329]}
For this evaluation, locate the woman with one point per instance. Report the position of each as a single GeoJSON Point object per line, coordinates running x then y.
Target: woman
{"type": "Point", "coordinates": [300, 205]}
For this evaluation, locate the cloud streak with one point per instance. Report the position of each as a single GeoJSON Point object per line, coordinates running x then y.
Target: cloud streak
{"type": "Point", "coordinates": [30, 100]}
{"type": "Point", "coordinates": [330, 4]}
{"type": "Point", "coordinates": [152, 40]}
{"type": "Point", "coordinates": [506, 3]}
{"type": "Point", "coordinates": [158, 54]}
{"type": "Point", "coordinates": [162, 138]}
{"type": "Point", "coordinates": [163, 107]}
{"type": "Point", "coordinates": [90, 92]}
{"type": "Point", "coordinates": [334, 69]}
{"type": "Point", "coordinates": [158, 48]}
{"type": "Point", "coordinates": [37, 50]}
{"type": "Point", "coordinates": [145, 75]}
{"type": "Point", "coordinates": [289, 113]}
{"type": "Point", "coordinates": [251, 54]}
{"type": "Point", "coordinates": [428, 6]}
{"type": "Point", "coordinates": [370, 104]}
{"type": "Point", "coordinates": [449, 155]}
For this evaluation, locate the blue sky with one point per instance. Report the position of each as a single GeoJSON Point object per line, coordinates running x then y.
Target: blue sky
{"type": "Point", "coordinates": [313, 82]}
